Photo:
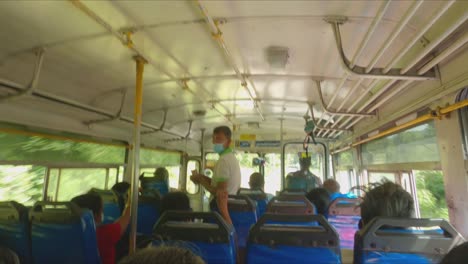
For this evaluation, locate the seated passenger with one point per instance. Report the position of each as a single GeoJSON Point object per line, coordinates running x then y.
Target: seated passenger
{"type": "Point", "coordinates": [163, 255]}
{"type": "Point", "coordinates": [107, 235]}
{"type": "Point", "coordinates": [161, 174]}
{"type": "Point", "coordinates": [159, 183]}
{"type": "Point", "coordinates": [386, 199]}
{"type": "Point", "coordinates": [458, 254]}
{"type": "Point", "coordinates": [303, 178]}
{"type": "Point", "coordinates": [257, 182]}
{"type": "Point", "coordinates": [321, 199]}
{"type": "Point", "coordinates": [121, 190]}
{"type": "Point", "coordinates": [333, 188]}
{"type": "Point", "coordinates": [175, 201]}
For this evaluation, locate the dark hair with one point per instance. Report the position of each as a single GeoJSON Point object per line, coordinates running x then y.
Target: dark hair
{"type": "Point", "coordinates": [331, 186]}
{"type": "Point", "coordinates": [121, 187]}
{"type": "Point", "coordinates": [456, 255]}
{"type": "Point", "coordinates": [8, 256]}
{"type": "Point", "coordinates": [320, 198]}
{"type": "Point", "coordinates": [256, 181]}
{"type": "Point", "coordinates": [223, 129]}
{"type": "Point", "coordinates": [386, 199]}
{"type": "Point", "coordinates": [161, 173]}
{"type": "Point", "coordinates": [163, 255]}
{"type": "Point", "coordinates": [91, 201]}
{"type": "Point", "coordinates": [306, 161]}
{"type": "Point", "coordinates": [175, 201]}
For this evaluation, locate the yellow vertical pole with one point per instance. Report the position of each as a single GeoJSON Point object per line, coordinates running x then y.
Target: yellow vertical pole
{"type": "Point", "coordinates": [140, 65]}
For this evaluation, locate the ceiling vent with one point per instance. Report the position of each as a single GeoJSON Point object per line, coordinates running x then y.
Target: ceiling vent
{"type": "Point", "coordinates": [277, 57]}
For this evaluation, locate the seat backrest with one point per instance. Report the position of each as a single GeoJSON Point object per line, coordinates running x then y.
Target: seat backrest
{"type": "Point", "coordinates": [294, 193]}
{"type": "Point", "coordinates": [15, 231]}
{"type": "Point", "coordinates": [111, 207]}
{"type": "Point", "coordinates": [205, 233]}
{"type": "Point", "coordinates": [290, 243]}
{"type": "Point", "coordinates": [8, 256]}
{"type": "Point", "coordinates": [257, 195]}
{"type": "Point", "coordinates": [149, 184]}
{"type": "Point", "coordinates": [243, 214]}
{"type": "Point", "coordinates": [286, 204]}
{"type": "Point", "coordinates": [61, 232]}
{"type": "Point", "coordinates": [148, 213]}
{"type": "Point", "coordinates": [344, 214]}
{"type": "Point", "coordinates": [404, 240]}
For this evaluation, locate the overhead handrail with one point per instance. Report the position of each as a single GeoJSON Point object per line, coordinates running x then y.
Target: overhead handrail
{"type": "Point", "coordinates": [328, 111]}
{"type": "Point", "coordinates": [117, 116]}
{"type": "Point", "coordinates": [34, 81]}
{"type": "Point", "coordinates": [375, 73]}
{"type": "Point", "coordinates": [218, 36]}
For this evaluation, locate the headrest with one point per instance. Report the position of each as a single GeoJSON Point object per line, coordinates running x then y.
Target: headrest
{"type": "Point", "coordinates": [11, 211]}
{"type": "Point", "coordinates": [291, 205]}
{"type": "Point", "coordinates": [206, 227]}
{"type": "Point", "coordinates": [252, 194]}
{"type": "Point", "coordinates": [55, 212]}
{"type": "Point", "coordinates": [241, 203]}
{"type": "Point", "coordinates": [408, 235]}
{"type": "Point", "coordinates": [345, 206]}
{"type": "Point", "coordinates": [323, 235]}
{"type": "Point", "coordinates": [107, 196]}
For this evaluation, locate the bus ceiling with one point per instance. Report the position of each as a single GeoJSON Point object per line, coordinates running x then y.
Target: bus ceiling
{"type": "Point", "coordinates": [235, 62]}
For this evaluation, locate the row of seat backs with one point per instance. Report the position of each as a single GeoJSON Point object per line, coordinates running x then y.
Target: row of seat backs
{"type": "Point", "coordinates": [403, 240]}
{"type": "Point", "coordinates": [59, 225]}
{"type": "Point", "coordinates": [150, 185]}
{"type": "Point", "coordinates": [205, 233]}
{"type": "Point", "coordinates": [258, 196]}
{"type": "Point", "coordinates": [15, 231]}
{"type": "Point", "coordinates": [314, 241]}
{"type": "Point", "coordinates": [149, 207]}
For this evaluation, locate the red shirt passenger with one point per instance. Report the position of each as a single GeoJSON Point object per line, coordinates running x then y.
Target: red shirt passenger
{"type": "Point", "coordinates": [107, 235]}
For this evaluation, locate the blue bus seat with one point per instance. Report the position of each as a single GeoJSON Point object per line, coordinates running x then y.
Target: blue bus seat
{"type": "Point", "coordinates": [148, 213]}
{"type": "Point", "coordinates": [111, 209]}
{"type": "Point", "coordinates": [15, 229]}
{"type": "Point", "coordinates": [205, 233]}
{"type": "Point", "coordinates": [243, 214]}
{"type": "Point", "coordinates": [344, 214]}
{"type": "Point", "coordinates": [290, 243]}
{"type": "Point", "coordinates": [153, 184]}
{"type": "Point", "coordinates": [257, 195]}
{"type": "Point", "coordinates": [61, 232]}
{"type": "Point", "coordinates": [394, 240]}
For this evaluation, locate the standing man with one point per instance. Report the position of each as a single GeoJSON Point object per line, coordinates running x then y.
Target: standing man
{"type": "Point", "coordinates": [227, 177]}
{"type": "Point", "coordinates": [303, 179]}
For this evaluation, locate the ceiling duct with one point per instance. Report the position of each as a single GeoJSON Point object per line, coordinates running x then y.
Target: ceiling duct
{"type": "Point", "coordinates": [277, 57]}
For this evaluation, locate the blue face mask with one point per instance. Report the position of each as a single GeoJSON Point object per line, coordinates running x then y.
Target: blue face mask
{"type": "Point", "coordinates": [218, 148]}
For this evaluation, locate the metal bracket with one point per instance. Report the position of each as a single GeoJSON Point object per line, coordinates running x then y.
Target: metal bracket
{"type": "Point", "coordinates": [117, 116]}
{"type": "Point", "coordinates": [328, 111]}
{"type": "Point", "coordinates": [376, 73]}
{"type": "Point", "coordinates": [34, 81]}
{"type": "Point", "coordinates": [161, 127]}
{"type": "Point", "coordinates": [311, 108]}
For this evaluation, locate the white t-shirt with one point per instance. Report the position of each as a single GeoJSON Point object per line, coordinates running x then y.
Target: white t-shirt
{"type": "Point", "coordinates": [227, 169]}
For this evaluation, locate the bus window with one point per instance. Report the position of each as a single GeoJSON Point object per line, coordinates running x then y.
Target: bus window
{"type": "Point", "coordinates": [246, 166]}
{"type": "Point", "coordinates": [431, 193]}
{"type": "Point", "coordinates": [115, 175]}
{"type": "Point", "coordinates": [377, 177]}
{"type": "Point", "coordinates": [22, 183]}
{"type": "Point", "coordinates": [344, 179]}
{"type": "Point", "coordinates": [191, 187]}
{"type": "Point", "coordinates": [75, 181]}
{"type": "Point", "coordinates": [52, 186]}
{"type": "Point", "coordinates": [293, 151]}
{"type": "Point", "coordinates": [272, 172]}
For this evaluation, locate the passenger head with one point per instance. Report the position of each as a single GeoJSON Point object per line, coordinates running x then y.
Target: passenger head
{"type": "Point", "coordinates": [386, 199]}
{"type": "Point", "coordinates": [162, 174]}
{"type": "Point", "coordinates": [305, 163]}
{"type": "Point", "coordinates": [256, 181]}
{"type": "Point", "coordinates": [221, 138]}
{"type": "Point", "coordinates": [121, 188]}
{"type": "Point", "coordinates": [175, 201]}
{"type": "Point", "coordinates": [163, 255]}
{"type": "Point", "coordinates": [93, 202]}
{"type": "Point", "coordinates": [331, 186]}
{"type": "Point", "coordinates": [8, 256]}
{"type": "Point", "coordinates": [321, 199]}
{"type": "Point", "coordinates": [456, 255]}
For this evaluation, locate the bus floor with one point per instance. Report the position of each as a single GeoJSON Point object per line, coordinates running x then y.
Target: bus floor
{"type": "Point", "coordinates": [346, 256]}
